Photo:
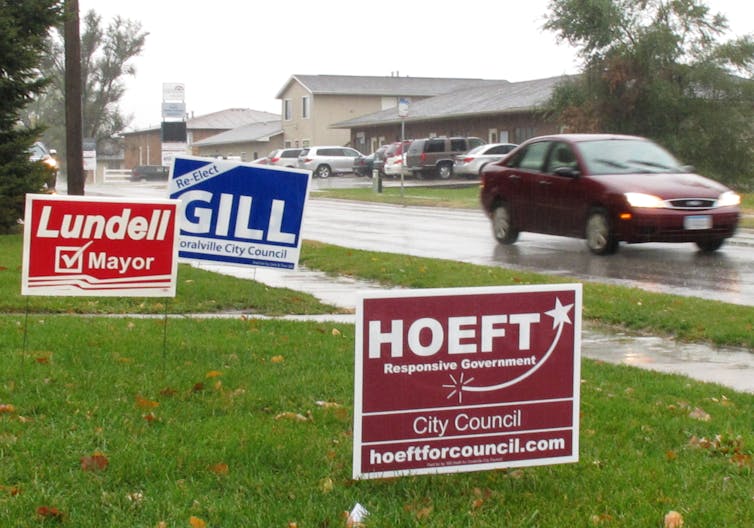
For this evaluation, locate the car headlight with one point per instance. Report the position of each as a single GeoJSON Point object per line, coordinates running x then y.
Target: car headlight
{"type": "Point", "coordinates": [51, 162]}
{"type": "Point", "coordinates": [644, 200]}
{"type": "Point", "coordinates": [728, 198]}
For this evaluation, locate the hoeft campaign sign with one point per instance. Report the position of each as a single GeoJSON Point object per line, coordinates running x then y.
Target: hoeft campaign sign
{"type": "Point", "coordinates": [84, 246]}
{"type": "Point", "coordinates": [466, 379]}
{"type": "Point", "coordinates": [239, 213]}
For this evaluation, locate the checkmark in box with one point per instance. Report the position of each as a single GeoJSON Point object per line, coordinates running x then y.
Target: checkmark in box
{"type": "Point", "coordinates": [70, 259]}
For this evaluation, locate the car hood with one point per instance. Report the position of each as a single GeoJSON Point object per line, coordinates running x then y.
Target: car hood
{"type": "Point", "coordinates": [664, 185]}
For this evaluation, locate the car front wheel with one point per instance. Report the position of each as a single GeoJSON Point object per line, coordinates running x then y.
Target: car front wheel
{"type": "Point", "coordinates": [599, 238]}
{"type": "Point", "coordinates": [323, 171]}
{"type": "Point", "coordinates": [502, 225]}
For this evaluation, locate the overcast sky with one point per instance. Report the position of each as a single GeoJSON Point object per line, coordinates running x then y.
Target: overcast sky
{"type": "Point", "coordinates": [239, 54]}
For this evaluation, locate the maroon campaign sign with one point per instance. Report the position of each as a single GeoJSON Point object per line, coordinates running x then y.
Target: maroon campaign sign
{"type": "Point", "coordinates": [75, 245]}
{"type": "Point", "coordinates": [466, 379]}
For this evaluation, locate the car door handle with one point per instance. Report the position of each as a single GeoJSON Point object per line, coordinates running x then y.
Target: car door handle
{"type": "Point", "coordinates": [545, 182]}
{"type": "Point", "coordinates": [514, 177]}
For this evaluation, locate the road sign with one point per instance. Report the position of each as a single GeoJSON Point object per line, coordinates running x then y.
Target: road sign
{"type": "Point", "coordinates": [239, 213]}
{"type": "Point", "coordinates": [453, 380]}
{"type": "Point", "coordinates": [81, 246]}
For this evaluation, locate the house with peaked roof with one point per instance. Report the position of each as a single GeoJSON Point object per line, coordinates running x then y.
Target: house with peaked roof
{"type": "Point", "coordinates": [496, 112]}
{"type": "Point", "coordinates": [244, 143]}
{"type": "Point", "coordinates": [312, 103]}
{"type": "Point", "coordinates": [143, 147]}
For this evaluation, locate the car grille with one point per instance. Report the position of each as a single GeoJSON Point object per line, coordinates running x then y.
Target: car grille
{"type": "Point", "coordinates": [691, 203]}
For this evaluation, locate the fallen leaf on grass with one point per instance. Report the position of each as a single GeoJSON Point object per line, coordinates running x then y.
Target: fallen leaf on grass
{"type": "Point", "coordinates": [145, 403]}
{"type": "Point", "coordinates": [96, 462]}
{"type": "Point", "coordinates": [296, 417]}
{"type": "Point", "coordinates": [214, 374]}
{"type": "Point", "coordinates": [50, 512]}
{"type": "Point", "coordinates": [219, 469]}
{"type": "Point", "coordinates": [700, 414]}
{"type": "Point", "coordinates": [673, 519]}
{"type": "Point", "coordinates": [277, 359]}
{"type": "Point", "coordinates": [11, 490]}
{"type": "Point", "coordinates": [196, 522]}
{"type": "Point", "coordinates": [741, 460]}
{"type": "Point", "coordinates": [7, 408]}
{"type": "Point", "coordinates": [327, 404]}
{"type": "Point", "coordinates": [336, 332]}
{"type": "Point", "coordinates": [326, 485]}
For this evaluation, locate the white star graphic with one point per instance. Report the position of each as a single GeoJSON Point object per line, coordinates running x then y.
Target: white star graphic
{"type": "Point", "coordinates": [559, 314]}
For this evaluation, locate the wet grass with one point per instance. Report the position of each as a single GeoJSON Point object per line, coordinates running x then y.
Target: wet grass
{"type": "Point", "coordinates": [152, 422]}
{"type": "Point", "coordinates": [247, 423]}
{"type": "Point", "coordinates": [197, 291]}
{"type": "Point", "coordinates": [686, 318]}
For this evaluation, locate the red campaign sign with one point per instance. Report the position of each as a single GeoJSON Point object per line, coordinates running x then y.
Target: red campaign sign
{"type": "Point", "coordinates": [75, 245]}
{"type": "Point", "coordinates": [466, 379]}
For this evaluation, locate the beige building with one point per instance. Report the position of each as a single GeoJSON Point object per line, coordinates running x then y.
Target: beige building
{"type": "Point", "coordinates": [245, 143]}
{"type": "Point", "coordinates": [312, 103]}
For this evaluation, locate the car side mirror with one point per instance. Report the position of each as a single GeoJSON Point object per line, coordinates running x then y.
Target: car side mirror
{"type": "Point", "coordinates": [688, 168]}
{"type": "Point", "coordinates": [570, 172]}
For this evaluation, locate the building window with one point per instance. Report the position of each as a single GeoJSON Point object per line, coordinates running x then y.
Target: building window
{"type": "Point", "coordinates": [287, 110]}
{"type": "Point", "coordinates": [305, 107]}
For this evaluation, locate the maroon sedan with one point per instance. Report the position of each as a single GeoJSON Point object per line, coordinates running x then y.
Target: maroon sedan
{"type": "Point", "coordinates": [606, 189]}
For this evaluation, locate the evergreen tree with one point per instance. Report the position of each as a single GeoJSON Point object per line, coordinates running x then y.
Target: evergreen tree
{"type": "Point", "coordinates": [23, 28]}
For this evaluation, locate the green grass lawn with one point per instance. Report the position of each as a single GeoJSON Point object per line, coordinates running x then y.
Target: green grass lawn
{"type": "Point", "coordinates": [147, 422]}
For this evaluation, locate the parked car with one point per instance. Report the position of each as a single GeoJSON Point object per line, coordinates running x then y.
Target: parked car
{"type": "Point", "coordinates": [394, 158]}
{"type": "Point", "coordinates": [149, 172]}
{"type": "Point", "coordinates": [606, 189]}
{"type": "Point", "coordinates": [363, 165]}
{"type": "Point", "coordinates": [285, 157]}
{"type": "Point", "coordinates": [472, 162]}
{"type": "Point", "coordinates": [325, 161]}
{"type": "Point", "coordinates": [379, 159]}
{"type": "Point", "coordinates": [434, 156]}
{"type": "Point", "coordinates": [39, 152]}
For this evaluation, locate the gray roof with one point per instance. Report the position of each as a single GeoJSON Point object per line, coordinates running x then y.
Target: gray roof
{"type": "Point", "coordinates": [384, 86]}
{"type": "Point", "coordinates": [221, 120]}
{"type": "Point", "coordinates": [230, 118]}
{"type": "Point", "coordinates": [261, 132]}
{"type": "Point", "coordinates": [496, 98]}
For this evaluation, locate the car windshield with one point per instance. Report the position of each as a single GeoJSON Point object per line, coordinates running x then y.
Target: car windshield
{"type": "Point", "coordinates": [623, 156]}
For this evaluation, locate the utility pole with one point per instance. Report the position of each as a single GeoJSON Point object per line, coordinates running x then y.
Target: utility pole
{"type": "Point", "coordinates": [73, 116]}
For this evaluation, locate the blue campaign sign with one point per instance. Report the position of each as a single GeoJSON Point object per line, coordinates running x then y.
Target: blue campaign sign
{"type": "Point", "coordinates": [239, 213]}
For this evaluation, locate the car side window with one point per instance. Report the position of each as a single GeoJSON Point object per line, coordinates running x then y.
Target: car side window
{"type": "Point", "coordinates": [350, 153]}
{"type": "Point", "coordinates": [435, 145]}
{"type": "Point", "coordinates": [499, 149]}
{"type": "Point", "coordinates": [458, 145]}
{"type": "Point", "coordinates": [561, 156]}
{"type": "Point", "coordinates": [533, 157]}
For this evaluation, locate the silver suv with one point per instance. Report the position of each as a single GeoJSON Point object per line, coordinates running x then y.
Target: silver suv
{"type": "Point", "coordinates": [287, 157]}
{"type": "Point", "coordinates": [326, 161]}
{"type": "Point", "coordinates": [435, 156]}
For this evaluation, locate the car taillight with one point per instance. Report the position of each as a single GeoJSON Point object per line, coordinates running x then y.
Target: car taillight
{"type": "Point", "coordinates": [308, 160]}
{"type": "Point", "coordinates": [423, 157]}
{"type": "Point", "coordinates": [468, 160]}
{"type": "Point", "coordinates": [274, 160]}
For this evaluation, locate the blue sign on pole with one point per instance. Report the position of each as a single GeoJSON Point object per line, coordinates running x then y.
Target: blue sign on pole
{"type": "Point", "coordinates": [239, 213]}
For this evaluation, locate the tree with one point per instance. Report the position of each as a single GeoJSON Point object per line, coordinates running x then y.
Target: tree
{"type": "Point", "coordinates": [657, 68]}
{"type": "Point", "coordinates": [106, 55]}
{"type": "Point", "coordinates": [23, 26]}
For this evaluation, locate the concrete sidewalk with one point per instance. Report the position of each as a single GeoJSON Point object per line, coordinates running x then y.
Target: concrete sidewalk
{"type": "Point", "coordinates": [731, 367]}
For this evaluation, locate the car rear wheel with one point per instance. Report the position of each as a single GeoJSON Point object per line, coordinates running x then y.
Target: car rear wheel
{"type": "Point", "coordinates": [599, 238]}
{"type": "Point", "coordinates": [502, 224]}
{"type": "Point", "coordinates": [323, 171]}
{"type": "Point", "coordinates": [444, 170]}
{"type": "Point", "coordinates": [708, 246]}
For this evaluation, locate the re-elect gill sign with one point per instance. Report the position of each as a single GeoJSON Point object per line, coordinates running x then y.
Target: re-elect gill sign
{"type": "Point", "coordinates": [466, 379]}
{"type": "Point", "coordinates": [81, 246]}
{"type": "Point", "coordinates": [239, 213]}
